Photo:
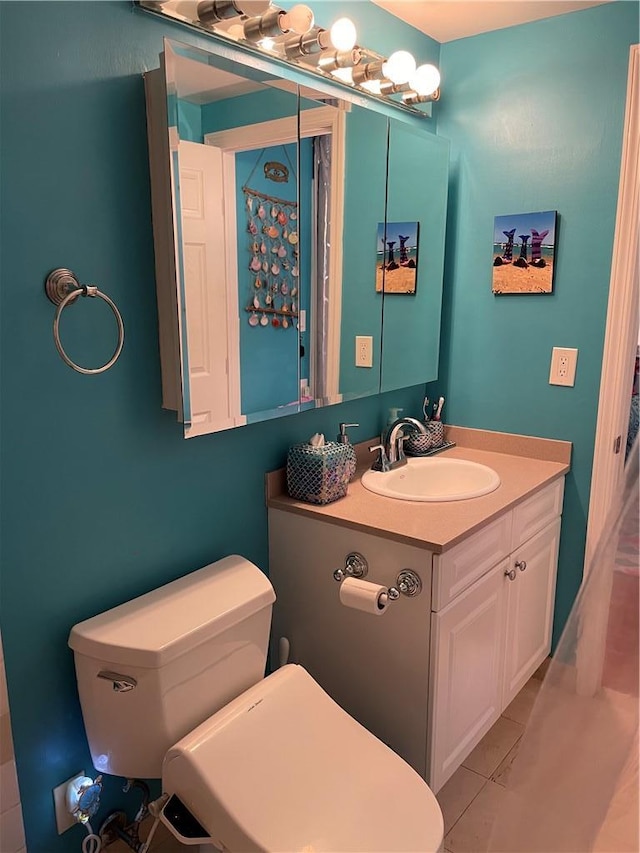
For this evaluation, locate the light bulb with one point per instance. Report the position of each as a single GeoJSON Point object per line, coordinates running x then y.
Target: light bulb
{"type": "Point", "coordinates": [343, 34]}
{"type": "Point", "coordinates": [372, 86]}
{"type": "Point", "coordinates": [236, 31]}
{"type": "Point", "coordinates": [400, 66]}
{"type": "Point", "coordinates": [298, 19]}
{"type": "Point", "coordinates": [344, 74]}
{"type": "Point", "coordinates": [425, 80]}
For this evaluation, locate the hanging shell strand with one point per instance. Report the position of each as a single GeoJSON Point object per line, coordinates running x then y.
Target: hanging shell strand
{"type": "Point", "coordinates": [273, 260]}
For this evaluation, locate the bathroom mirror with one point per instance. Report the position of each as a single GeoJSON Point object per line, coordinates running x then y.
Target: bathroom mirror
{"type": "Point", "coordinates": [267, 198]}
{"type": "Point", "coordinates": [417, 187]}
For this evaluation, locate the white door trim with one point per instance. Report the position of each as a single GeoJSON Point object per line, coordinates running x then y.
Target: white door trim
{"type": "Point", "coordinates": [621, 336]}
{"type": "Point", "coordinates": [621, 339]}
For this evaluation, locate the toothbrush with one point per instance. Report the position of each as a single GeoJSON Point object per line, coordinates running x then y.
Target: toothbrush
{"type": "Point", "coordinates": [438, 410]}
{"type": "Point", "coordinates": [425, 407]}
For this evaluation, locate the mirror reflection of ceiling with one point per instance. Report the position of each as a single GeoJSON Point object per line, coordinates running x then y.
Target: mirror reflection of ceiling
{"type": "Point", "coordinates": [200, 83]}
{"type": "Point", "coordinates": [447, 20]}
{"type": "Point", "coordinates": [203, 84]}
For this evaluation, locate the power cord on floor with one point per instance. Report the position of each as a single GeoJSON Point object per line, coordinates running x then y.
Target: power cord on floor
{"type": "Point", "coordinates": [92, 842]}
{"type": "Point", "coordinates": [152, 832]}
{"type": "Point", "coordinates": [155, 809]}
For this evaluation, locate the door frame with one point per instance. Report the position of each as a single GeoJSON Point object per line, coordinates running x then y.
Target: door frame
{"type": "Point", "coordinates": [621, 335]}
{"type": "Point", "coordinates": [621, 340]}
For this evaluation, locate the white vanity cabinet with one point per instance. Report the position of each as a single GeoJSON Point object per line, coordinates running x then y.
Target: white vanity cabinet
{"type": "Point", "coordinates": [432, 675]}
{"type": "Point", "coordinates": [489, 639]}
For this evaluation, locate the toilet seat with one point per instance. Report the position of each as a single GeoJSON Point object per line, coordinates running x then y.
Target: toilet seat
{"type": "Point", "coordinates": [284, 768]}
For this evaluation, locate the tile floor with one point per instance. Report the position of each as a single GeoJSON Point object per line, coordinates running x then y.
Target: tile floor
{"type": "Point", "coordinates": [476, 791]}
{"type": "Point", "coordinates": [474, 794]}
{"type": "Point", "coordinates": [162, 842]}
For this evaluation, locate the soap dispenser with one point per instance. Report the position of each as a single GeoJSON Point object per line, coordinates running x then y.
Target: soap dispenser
{"type": "Point", "coordinates": [343, 439]}
{"type": "Point", "coordinates": [393, 416]}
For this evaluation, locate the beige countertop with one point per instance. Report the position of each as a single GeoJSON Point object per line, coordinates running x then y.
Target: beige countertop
{"type": "Point", "coordinates": [525, 465]}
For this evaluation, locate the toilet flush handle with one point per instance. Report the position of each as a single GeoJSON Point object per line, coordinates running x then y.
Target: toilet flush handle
{"type": "Point", "coordinates": [121, 683]}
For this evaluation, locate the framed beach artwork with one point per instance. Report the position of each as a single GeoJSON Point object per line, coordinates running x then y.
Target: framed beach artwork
{"type": "Point", "coordinates": [397, 257]}
{"type": "Point", "coordinates": [524, 247]}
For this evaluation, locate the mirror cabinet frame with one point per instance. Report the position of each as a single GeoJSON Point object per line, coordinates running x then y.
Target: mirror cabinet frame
{"type": "Point", "coordinates": [172, 316]}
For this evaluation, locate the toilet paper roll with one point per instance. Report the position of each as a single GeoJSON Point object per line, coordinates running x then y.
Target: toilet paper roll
{"type": "Point", "coordinates": [362, 595]}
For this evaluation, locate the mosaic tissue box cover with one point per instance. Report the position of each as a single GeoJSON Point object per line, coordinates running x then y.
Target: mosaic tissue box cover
{"type": "Point", "coordinates": [318, 475]}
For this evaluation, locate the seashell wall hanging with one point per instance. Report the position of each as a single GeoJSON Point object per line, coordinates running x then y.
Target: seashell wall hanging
{"type": "Point", "coordinates": [268, 301]}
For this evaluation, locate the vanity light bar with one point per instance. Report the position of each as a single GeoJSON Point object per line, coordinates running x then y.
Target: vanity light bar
{"type": "Point", "coordinates": [292, 37]}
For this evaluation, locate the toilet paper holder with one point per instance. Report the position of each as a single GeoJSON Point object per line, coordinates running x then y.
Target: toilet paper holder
{"type": "Point", "coordinates": [408, 582]}
{"type": "Point", "coordinates": [355, 566]}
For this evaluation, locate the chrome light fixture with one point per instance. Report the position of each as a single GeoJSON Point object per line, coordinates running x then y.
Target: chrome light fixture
{"type": "Point", "coordinates": [292, 37]}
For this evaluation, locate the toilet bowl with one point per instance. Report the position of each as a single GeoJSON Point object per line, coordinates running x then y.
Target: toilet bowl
{"type": "Point", "coordinates": [172, 683]}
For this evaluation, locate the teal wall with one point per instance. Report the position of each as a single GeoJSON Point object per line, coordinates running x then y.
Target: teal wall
{"type": "Point", "coordinates": [102, 498]}
{"type": "Point", "coordinates": [417, 192]}
{"type": "Point", "coordinates": [534, 114]}
{"type": "Point", "coordinates": [366, 165]}
{"type": "Point", "coordinates": [189, 120]}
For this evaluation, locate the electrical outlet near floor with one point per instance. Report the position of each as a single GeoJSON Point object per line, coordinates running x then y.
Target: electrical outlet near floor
{"type": "Point", "coordinates": [364, 351]}
{"type": "Point", "coordinates": [64, 819]}
{"type": "Point", "coordinates": [563, 366]}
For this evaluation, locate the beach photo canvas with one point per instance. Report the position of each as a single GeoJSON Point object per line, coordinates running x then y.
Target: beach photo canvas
{"type": "Point", "coordinates": [524, 247]}
{"type": "Point", "coordinates": [397, 257]}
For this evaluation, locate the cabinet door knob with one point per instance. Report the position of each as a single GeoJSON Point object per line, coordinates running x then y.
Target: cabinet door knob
{"type": "Point", "coordinates": [521, 564]}
{"type": "Point", "coordinates": [511, 574]}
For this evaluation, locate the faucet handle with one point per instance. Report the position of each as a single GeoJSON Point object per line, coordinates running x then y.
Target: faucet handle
{"type": "Point", "coordinates": [382, 460]}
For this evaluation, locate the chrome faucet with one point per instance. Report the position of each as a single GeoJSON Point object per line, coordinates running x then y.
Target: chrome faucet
{"type": "Point", "coordinates": [392, 445]}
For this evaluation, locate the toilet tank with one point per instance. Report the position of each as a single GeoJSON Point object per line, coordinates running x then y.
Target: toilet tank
{"type": "Point", "coordinates": [155, 667]}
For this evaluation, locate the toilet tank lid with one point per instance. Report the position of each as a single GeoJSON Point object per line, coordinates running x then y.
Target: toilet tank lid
{"type": "Point", "coordinates": [161, 625]}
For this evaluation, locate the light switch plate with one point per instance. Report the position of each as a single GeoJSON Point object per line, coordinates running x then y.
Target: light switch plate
{"type": "Point", "coordinates": [563, 366]}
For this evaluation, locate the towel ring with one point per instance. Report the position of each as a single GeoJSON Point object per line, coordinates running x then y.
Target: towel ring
{"type": "Point", "coordinates": [63, 288]}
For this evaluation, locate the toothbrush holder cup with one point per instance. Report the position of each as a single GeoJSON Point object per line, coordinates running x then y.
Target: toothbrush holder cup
{"type": "Point", "coordinates": [419, 443]}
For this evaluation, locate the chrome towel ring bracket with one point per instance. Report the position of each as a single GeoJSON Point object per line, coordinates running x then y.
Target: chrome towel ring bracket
{"type": "Point", "coordinates": [63, 288]}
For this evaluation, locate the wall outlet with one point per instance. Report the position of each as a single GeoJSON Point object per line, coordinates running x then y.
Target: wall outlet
{"type": "Point", "coordinates": [364, 351]}
{"type": "Point", "coordinates": [64, 819]}
{"type": "Point", "coordinates": [563, 366]}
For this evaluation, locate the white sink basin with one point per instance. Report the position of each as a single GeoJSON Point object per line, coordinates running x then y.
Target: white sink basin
{"type": "Point", "coordinates": [433, 479]}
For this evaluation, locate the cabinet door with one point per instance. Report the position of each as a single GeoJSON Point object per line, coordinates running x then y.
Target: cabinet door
{"type": "Point", "coordinates": [530, 598]}
{"type": "Point", "coordinates": [467, 648]}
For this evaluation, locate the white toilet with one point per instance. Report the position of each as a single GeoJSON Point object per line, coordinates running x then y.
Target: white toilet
{"type": "Point", "coordinates": [171, 685]}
